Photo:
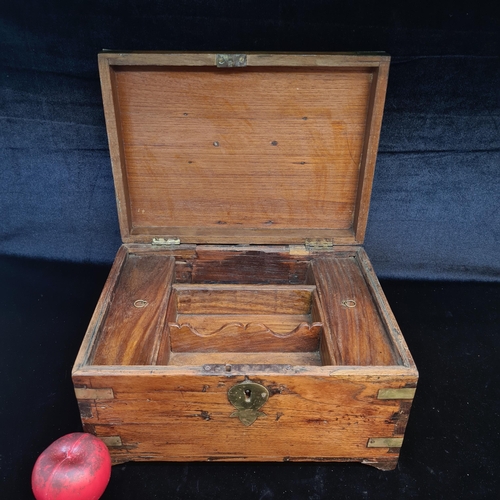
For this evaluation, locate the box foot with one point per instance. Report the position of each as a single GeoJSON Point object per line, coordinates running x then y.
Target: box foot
{"type": "Point", "coordinates": [384, 465]}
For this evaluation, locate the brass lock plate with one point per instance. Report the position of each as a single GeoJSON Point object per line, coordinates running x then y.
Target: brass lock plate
{"type": "Point", "coordinates": [248, 397]}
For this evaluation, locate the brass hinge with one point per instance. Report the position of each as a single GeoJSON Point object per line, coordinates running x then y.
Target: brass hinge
{"type": "Point", "coordinates": [166, 242]}
{"type": "Point", "coordinates": [319, 244]}
{"type": "Point", "coordinates": [311, 245]}
{"type": "Point", "coordinates": [231, 60]}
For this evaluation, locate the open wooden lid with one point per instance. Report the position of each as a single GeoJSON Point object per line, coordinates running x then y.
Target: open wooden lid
{"type": "Point", "coordinates": [243, 149]}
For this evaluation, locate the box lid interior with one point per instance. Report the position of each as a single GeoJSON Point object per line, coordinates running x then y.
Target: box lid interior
{"type": "Point", "coordinates": [277, 152]}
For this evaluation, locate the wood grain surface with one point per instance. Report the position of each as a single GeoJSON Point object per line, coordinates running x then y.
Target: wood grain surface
{"type": "Point", "coordinates": [243, 298]}
{"type": "Point", "coordinates": [246, 335]}
{"type": "Point", "coordinates": [188, 417]}
{"type": "Point", "coordinates": [286, 150]}
{"type": "Point", "coordinates": [358, 333]}
{"type": "Point", "coordinates": [130, 335]}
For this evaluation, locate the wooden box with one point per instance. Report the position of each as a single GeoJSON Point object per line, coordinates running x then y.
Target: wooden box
{"type": "Point", "coordinates": [242, 319]}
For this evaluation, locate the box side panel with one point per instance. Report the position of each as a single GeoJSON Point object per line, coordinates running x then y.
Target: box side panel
{"type": "Point", "coordinates": [101, 310]}
{"type": "Point", "coordinates": [113, 128]}
{"type": "Point", "coordinates": [385, 312]}
{"type": "Point", "coordinates": [189, 417]}
{"type": "Point", "coordinates": [370, 148]}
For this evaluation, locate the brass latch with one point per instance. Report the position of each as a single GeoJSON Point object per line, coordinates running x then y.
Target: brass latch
{"type": "Point", "coordinates": [248, 397]}
{"type": "Point", "coordinates": [231, 60]}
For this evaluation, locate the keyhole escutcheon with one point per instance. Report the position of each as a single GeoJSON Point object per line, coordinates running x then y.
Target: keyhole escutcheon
{"type": "Point", "coordinates": [248, 395]}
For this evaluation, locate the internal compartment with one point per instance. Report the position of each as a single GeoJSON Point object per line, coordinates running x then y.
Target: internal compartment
{"type": "Point", "coordinates": [267, 324]}
{"type": "Point", "coordinates": [243, 307]}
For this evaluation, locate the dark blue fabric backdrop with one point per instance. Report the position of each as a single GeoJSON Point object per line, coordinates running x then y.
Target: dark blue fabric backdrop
{"type": "Point", "coordinates": [436, 199]}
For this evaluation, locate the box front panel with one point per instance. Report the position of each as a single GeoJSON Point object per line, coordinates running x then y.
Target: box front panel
{"type": "Point", "coordinates": [189, 417]}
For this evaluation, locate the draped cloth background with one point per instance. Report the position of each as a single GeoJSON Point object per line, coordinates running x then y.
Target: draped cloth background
{"type": "Point", "coordinates": [435, 214]}
{"type": "Point", "coordinates": [435, 210]}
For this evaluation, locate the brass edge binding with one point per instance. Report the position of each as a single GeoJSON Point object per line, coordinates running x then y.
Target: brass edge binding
{"type": "Point", "coordinates": [111, 441]}
{"type": "Point", "coordinates": [385, 442]}
{"type": "Point", "coordinates": [403, 393]}
{"type": "Point", "coordinates": [87, 393]}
